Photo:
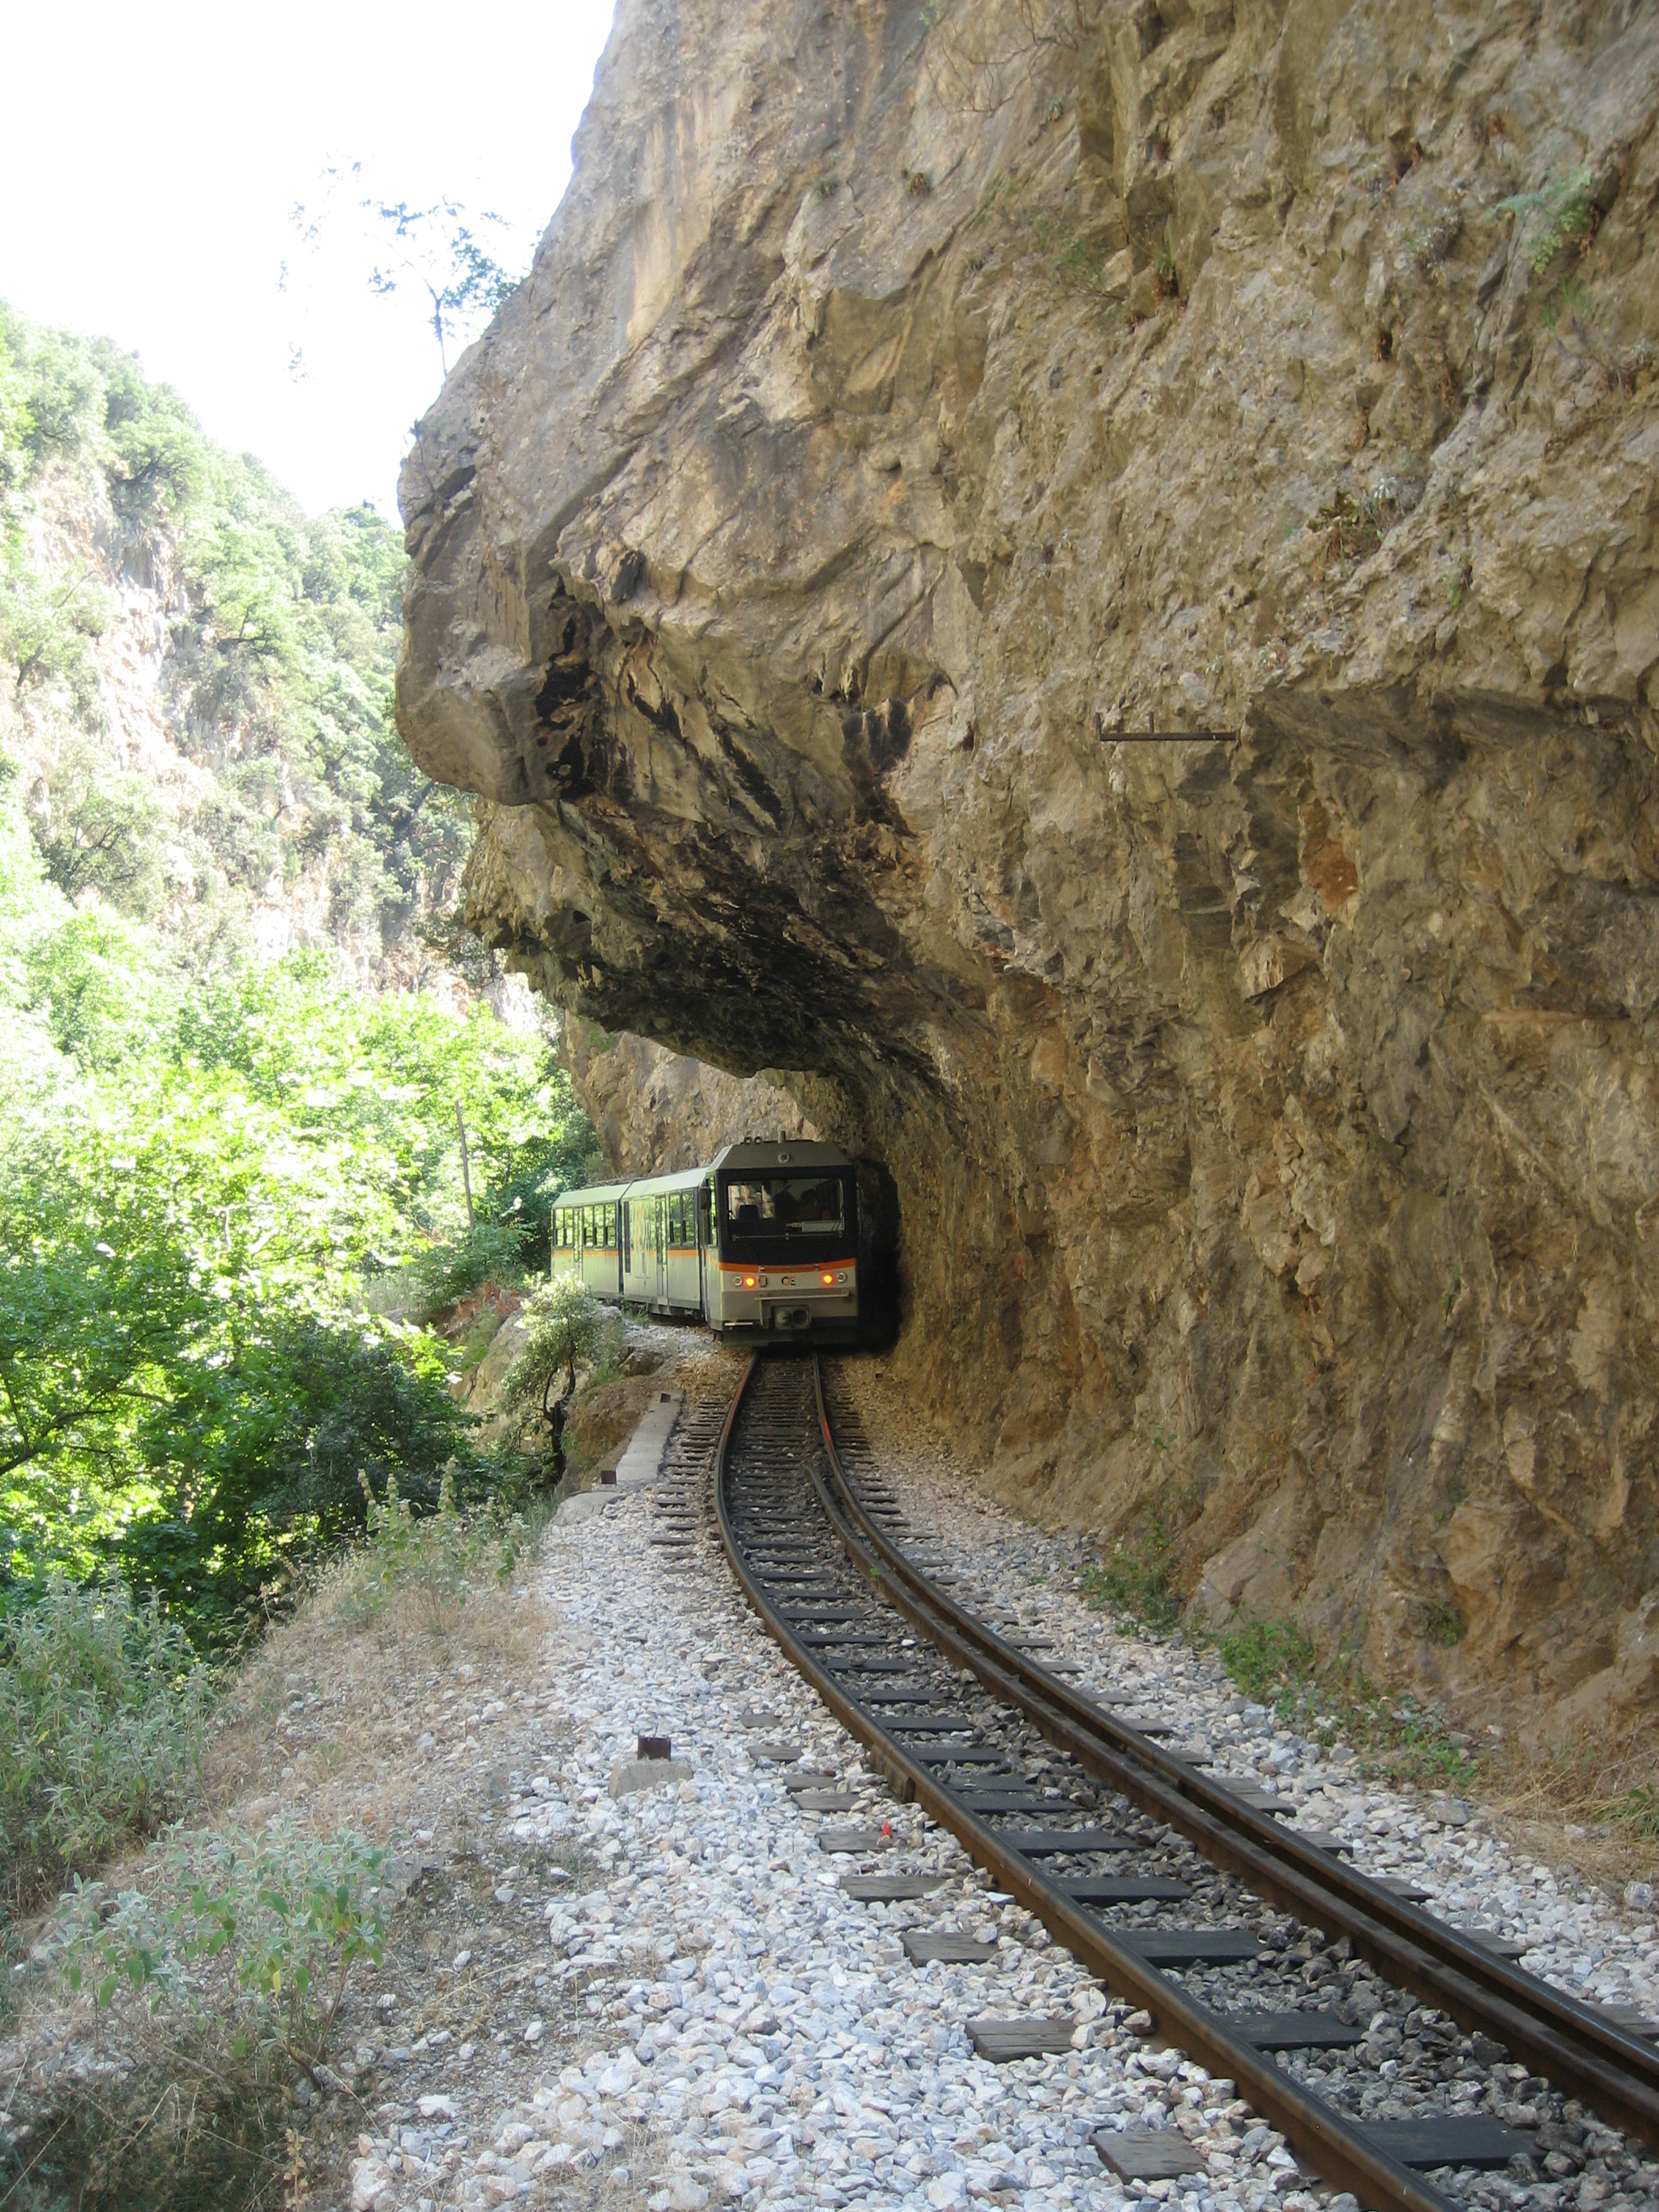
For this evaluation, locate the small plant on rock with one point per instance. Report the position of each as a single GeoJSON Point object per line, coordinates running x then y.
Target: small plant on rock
{"type": "Point", "coordinates": [1134, 1581]}
{"type": "Point", "coordinates": [1561, 211]}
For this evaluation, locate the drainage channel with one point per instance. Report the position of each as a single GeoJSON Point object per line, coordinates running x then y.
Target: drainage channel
{"type": "Point", "coordinates": [1151, 1874]}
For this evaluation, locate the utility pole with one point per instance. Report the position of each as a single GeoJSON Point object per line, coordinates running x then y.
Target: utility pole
{"type": "Point", "coordinates": [467, 1172]}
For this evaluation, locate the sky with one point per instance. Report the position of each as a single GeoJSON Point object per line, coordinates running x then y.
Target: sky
{"type": "Point", "coordinates": [152, 158]}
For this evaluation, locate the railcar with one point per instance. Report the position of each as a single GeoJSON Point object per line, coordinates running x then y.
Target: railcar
{"type": "Point", "coordinates": [763, 1242]}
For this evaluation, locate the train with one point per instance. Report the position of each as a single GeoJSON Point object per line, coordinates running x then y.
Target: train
{"type": "Point", "coordinates": [762, 1242]}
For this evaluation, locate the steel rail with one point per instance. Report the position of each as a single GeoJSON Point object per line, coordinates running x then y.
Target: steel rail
{"type": "Point", "coordinates": [1615, 2072]}
{"type": "Point", "coordinates": [1322, 2138]}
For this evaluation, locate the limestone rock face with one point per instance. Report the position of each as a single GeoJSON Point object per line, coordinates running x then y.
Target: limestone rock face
{"type": "Point", "coordinates": [910, 414]}
{"type": "Point", "coordinates": [657, 1111]}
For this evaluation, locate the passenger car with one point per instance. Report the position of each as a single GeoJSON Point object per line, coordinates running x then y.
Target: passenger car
{"type": "Point", "coordinates": [763, 1241]}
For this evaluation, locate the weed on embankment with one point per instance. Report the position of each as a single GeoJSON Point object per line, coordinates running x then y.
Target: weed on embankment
{"type": "Point", "coordinates": [175, 2023]}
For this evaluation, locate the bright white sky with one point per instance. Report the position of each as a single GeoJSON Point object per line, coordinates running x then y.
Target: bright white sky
{"type": "Point", "coordinates": [151, 158]}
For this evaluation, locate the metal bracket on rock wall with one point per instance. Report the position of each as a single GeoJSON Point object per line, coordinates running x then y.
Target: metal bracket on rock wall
{"type": "Point", "coordinates": [1162, 737]}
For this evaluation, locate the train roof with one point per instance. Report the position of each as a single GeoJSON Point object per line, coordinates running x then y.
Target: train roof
{"type": "Point", "coordinates": [654, 1185]}
{"type": "Point", "coordinates": [788, 1153]}
{"type": "Point", "coordinates": [750, 1154]}
{"type": "Point", "coordinates": [611, 1194]}
{"type": "Point", "coordinates": [596, 1194]}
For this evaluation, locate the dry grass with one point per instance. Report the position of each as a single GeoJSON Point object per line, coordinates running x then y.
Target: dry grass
{"type": "Point", "coordinates": [362, 1641]}
{"type": "Point", "coordinates": [1589, 1800]}
{"type": "Point", "coordinates": [320, 1729]}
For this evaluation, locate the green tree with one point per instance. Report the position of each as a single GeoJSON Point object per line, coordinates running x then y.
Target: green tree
{"type": "Point", "coordinates": [562, 1324]}
{"type": "Point", "coordinates": [442, 249]}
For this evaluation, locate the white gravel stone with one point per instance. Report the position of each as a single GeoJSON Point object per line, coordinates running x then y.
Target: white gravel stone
{"type": "Point", "coordinates": [759, 2037]}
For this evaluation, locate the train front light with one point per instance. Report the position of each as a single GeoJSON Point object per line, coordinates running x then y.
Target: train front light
{"type": "Point", "coordinates": [749, 1282]}
{"type": "Point", "coordinates": [828, 1281]}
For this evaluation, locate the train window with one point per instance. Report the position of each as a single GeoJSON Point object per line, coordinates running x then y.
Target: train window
{"type": "Point", "coordinates": [676, 1231]}
{"type": "Point", "coordinates": [610, 1228]}
{"type": "Point", "coordinates": [786, 1206]}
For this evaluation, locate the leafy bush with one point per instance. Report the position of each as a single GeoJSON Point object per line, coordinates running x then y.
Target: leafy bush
{"type": "Point", "coordinates": [426, 1286]}
{"type": "Point", "coordinates": [102, 1702]}
{"type": "Point", "coordinates": [247, 1940]}
{"type": "Point", "coordinates": [260, 1461]}
{"type": "Point", "coordinates": [431, 1565]}
{"type": "Point", "coordinates": [531, 1177]}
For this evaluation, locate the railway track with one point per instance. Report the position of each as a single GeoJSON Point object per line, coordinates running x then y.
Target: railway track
{"type": "Point", "coordinates": [1153, 1875]}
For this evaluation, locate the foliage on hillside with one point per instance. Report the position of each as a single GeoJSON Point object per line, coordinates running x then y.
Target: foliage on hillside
{"type": "Point", "coordinates": [217, 1172]}
{"type": "Point", "coordinates": [201, 1179]}
{"type": "Point", "coordinates": [275, 670]}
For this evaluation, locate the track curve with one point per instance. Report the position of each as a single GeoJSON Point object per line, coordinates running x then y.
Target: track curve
{"type": "Point", "coordinates": [837, 1594]}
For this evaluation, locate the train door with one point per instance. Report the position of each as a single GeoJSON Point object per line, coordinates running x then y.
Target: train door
{"type": "Point", "coordinates": [625, 1260]}
{"type": "Point", "coordinates": [659, 1209]}
{"type": "Point", "coordinates": [705, 1237]}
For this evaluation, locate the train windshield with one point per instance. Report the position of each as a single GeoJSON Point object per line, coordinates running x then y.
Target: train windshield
{"type": "Point", "coordinates": [778, 1216]}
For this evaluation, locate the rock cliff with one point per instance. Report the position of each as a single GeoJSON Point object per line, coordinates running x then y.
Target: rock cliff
{"type": "Point", "coordinates": [1082, 575]}
{"type": "Point", "coordinates": [655, 1111]}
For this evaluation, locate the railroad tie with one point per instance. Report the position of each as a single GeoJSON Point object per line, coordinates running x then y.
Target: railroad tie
{"type": "Point", "coordinates": [1014, 1800]}
{"type": "Point", "coordinates": [1411, 1892]}
{"type": "Point", "coordinates": [889, 1888]}
{"type": "Point", "coordinates": [945, 1947]}
{"type": "Point", "coordinates": [1501, 1946]}
{"type": "Point", "coordinates": [1294, 2031]}
{"type": "Point", "coordinates": [966, 1755]}
{"type": "Point", "coordinates": [1449, 2139]}
{"type": "Point", "coordinates": [1051, 1843]}
{"type": "Point", "coordinates": [1113, 1889]}
{"type": "Point", "coordinates": [1140, 2154]}
{"type": "Point", "coordinates": [1189, 1947]}
{"type": "Point", "coordinates": [1005, 2041]}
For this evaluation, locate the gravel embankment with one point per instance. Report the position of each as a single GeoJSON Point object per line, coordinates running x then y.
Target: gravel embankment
{"type": "Point", "coordinates": [695, 2012]}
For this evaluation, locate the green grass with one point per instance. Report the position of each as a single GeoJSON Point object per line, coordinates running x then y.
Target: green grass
{"type": "Point", "coordinates": [1270, 1660]}
{"type": "Point", "coordinates": [1277, 1664]}
{"type": "Point", "coordinates": [1636, 1813]}
{"type": "Point", "coordinates": [1132, 1580]}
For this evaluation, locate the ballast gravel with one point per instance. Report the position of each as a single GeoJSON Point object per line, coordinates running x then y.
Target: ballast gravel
{"type": "Point", "coordinates": [731, 2027]}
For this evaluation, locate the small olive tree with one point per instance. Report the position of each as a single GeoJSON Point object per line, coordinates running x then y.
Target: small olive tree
{"type": "Point", "coordinates": [563, 1322]}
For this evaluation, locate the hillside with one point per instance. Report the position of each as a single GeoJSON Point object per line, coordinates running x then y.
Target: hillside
{"type": "Point", "coordinates": [245, 1037]}
{"type": "Point", "coordinates": [194, 680]}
